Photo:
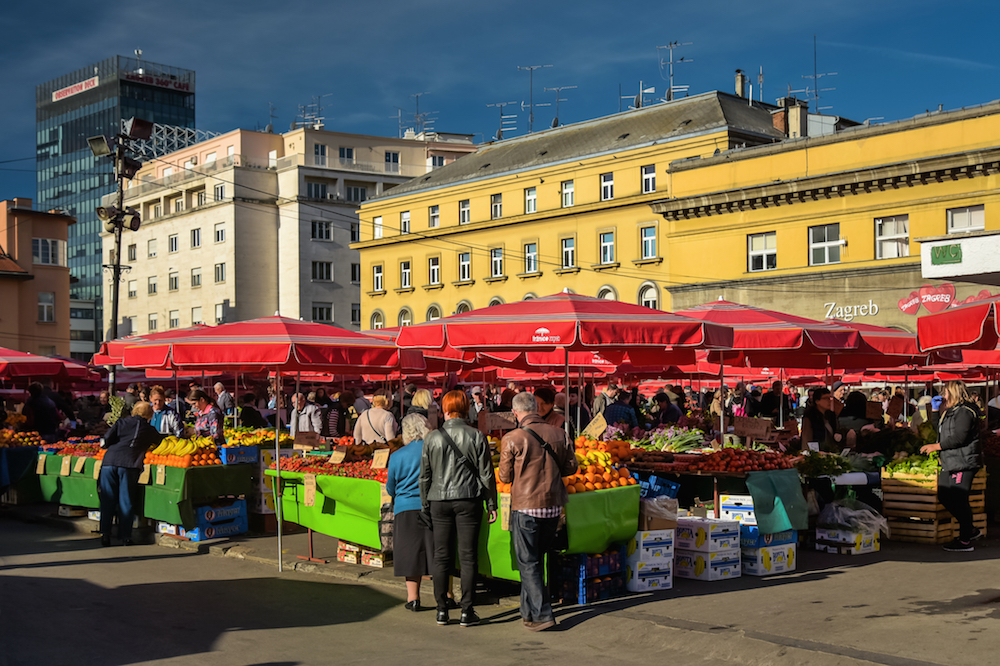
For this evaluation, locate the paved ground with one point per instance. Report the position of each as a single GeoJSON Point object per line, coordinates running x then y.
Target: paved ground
{"type": "Point", "coordinates": [65, 600]}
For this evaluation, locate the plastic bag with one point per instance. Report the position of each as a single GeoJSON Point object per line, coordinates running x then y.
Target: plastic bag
{"type": "Point", "coordinates": [853, 515]}
{"type": "Point", "coordinates": [662, 507]}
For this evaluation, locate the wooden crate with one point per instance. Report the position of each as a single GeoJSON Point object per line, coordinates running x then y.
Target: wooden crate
{"type": "Point", "coordinates": [910, 503]}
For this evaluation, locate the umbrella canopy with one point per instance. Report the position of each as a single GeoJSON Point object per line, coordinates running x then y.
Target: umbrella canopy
{"type": "Point", "coordinates": [564, 321]}
{"type": "Point", "coordinates": [269, 342]}
{"type": "Point", "coordinates": [974, 325]}
{"type": "Point", "coordinates": [110, 351]}
{"type": "Point", "coordinates": [15, 363]}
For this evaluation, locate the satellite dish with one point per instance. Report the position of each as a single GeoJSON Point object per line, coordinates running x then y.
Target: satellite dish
{"type": "Point", "coordinates": [500, 134]}
{"type": "Point", "coordinates": [269, 129]}
{"type": "Point", "coordinates": [555, 122]}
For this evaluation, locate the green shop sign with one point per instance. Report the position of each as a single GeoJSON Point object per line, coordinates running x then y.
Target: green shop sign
{"type": "Point", "coordinates": [946, 254]}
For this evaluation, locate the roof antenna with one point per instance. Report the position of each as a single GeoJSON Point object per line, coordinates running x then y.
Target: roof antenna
{"type": "Point", "coordinates": [670, 64]}
{"type": "Point", "coordinates": [531, 93]}
{"type": "Point", "coordinates": [508, 123]}
{"type": "Point", "coordinates": [558, 89]}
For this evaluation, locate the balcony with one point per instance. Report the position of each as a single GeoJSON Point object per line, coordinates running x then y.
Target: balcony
{"type": "Point", "coordinates": [185, 175]}
{"type": "Point", "coordinates": [338, 164]}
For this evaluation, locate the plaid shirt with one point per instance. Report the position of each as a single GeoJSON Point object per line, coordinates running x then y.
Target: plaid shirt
{"type": "Point", "coordinates": [547, 512]}
{"type": "Point", "coordinates": [620, 412]}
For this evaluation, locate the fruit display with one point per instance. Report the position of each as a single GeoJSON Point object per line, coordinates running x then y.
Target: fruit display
{"type": "Point", "coordinates": [815, 464]}
{"type": "Point", "coordinates": [262, 437]}
{"type": "Point", "coordinates": [616, 450]}
{"type": "Point", "coordinates": [739, 461]}
{"type": "Point", "coordinates": [176, 452]}
{"type": "Point", "coordinates": [596, 477]}
{"type": "Point", "coordinates": [14, 420]}
{"type": "Point", "coordinates": [78, 447]}
{"type": "Point", "coordinates": [321, 465]}
{"type": "Point", "coordinates": [10, 439]}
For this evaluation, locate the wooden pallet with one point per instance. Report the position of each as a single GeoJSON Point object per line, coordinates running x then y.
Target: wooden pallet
{"type": "Point", "coordinates": [910, 503]}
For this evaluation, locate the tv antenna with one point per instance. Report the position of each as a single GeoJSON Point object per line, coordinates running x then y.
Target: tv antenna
{"type": "Point", "coordinates": [270, 117]}
{"type": "Point", "coordinates": [531, 93]}
{"type": "Point", "coordinates": [422, 120]}
{"type": "Point", "coordinates": [558, 90]}
{"type": "Point", "coordinates": [311, 115]}
{"type": "Point", "coordinates": [508, 123]}
{"type": "Point", "coordinates": [760, 83]}
{"type": "Point", "coordinates": [670, 62]}
{"type": "Point", "coordinates": [816, 76]}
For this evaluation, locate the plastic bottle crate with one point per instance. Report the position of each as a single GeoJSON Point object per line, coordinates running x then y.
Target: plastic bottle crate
{"type": "Point", "coordinates": [655, 486]}
{"type": "Point", "coordinates": [580, 566]}
{"type": "Point", "coordinates": [588, 590]}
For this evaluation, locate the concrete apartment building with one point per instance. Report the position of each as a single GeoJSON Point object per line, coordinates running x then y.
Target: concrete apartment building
{"type": "Point", "coordinates": [34, 279]}
{"type": "Point", "coordinates": [250, 223]}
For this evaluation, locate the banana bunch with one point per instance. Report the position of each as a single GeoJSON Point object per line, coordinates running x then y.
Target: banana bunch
{"type": "Point", "coordinates": [175, 446]}
{"type": "Point", "coordinates": [598, 458]}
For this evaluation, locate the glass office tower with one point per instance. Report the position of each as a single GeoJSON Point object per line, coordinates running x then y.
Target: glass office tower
{"type": "Point", "coordinates": [85, 103]}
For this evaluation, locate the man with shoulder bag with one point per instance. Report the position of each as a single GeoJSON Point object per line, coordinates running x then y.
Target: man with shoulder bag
{"type": "Point", "coordinates": [534, 458]}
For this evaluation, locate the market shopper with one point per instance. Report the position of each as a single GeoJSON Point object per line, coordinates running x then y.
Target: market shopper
{"type": "Point", "coordinates": [575, 404]}
{"type": "Point", "coordinates": [306, 415]}
{"type": "Point", "coordinates": [819, 423]}
{"type": "Point", "coordinates": [606, 397]}
{"type": "Point", "coordinates": [477, 405]}
{"type": "Point", "coordinates": [164, 419]}
{"type": "Point", "coordinates": [209, 421]}
{"type": "Point", "coordinates": [249, 416]}
{"type": "Point", "coordinates": [131, 396]}
{"type": "Point", "coordinates": [854, 417]}
{"type": "Point", "coordinates": [224, 399]}
{"type": "Point", "coordinates": [545, 396]}
{"type": "Point", "coordinates": [376, 425]}
{"type": "Point", "coordinates": [668, 413]}
{"type": "Point", "coordinates": [534, 458]}
{"type": "Point", "coordinates": [619, 411]}
{"type": "Point", "coordinates": [456, 476]}
{"type": "Point", "coordinates": [41, 413]}
{"type": "Point", "coordinates": [412, 539]}
{"type": "Point", "coordinates": [126, 444]}
{"type": "Point", "coordinates": [961, 459]}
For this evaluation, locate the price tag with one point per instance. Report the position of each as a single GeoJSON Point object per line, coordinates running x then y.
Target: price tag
{"type": "Point", "coordinates": [596, 427]}
{"type": "Point", "coordinates": [40, 467]}
{"type": "Point", "coordinates": [505, 512]}
{"type": "Point", "coordinates": [309, 490]}
{"type": "Point", "coordinates": [67, 466]}
{"type": "Point", "coordinates": [161, 475]}
{"type": "Point", "coordinates": [380, 459]}
{"type": "Point", "coordinates": [97, 468]}
{"type": "Point", "coordinates": [78, 467]}
{"type": "Point", "coordinates": [144, 476]}
{"type": "Point", "coordinates": [338, 455]}
{"type": "Point", "coordinates": [386, 498]}
{"type": "Point", "coordinates": [813, 446]}
{"type": "Point", "coordinates": [873, 410]}
{"type": "Point", "coordinates": [751, 427]}
{"type": "Point", "coordinates": [491, 421]}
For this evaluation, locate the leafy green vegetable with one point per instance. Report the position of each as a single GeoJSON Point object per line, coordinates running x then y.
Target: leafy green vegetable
{"type": "Point", "coordinates": [818, 464]}
{"type": "Point", "coordinates": [915, 464]}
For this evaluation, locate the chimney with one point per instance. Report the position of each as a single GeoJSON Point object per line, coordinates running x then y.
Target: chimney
{"type": "Point", "coordinates": [741, 83]}
{"type": "Point", "coordinates": [780, 119]}
{"type": "Point", "coordinates": [791, 117]}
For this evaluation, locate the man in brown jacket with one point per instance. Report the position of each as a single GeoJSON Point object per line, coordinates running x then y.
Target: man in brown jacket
{"type": "Point", "coordinates": [534, 458]}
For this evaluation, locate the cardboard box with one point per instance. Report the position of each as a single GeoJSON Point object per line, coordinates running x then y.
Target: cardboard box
{"type": "Point", "coordinates": [373, 558]}
{"type": "Point", "coordinates": [238, 455]}
{"type": "Point", "coordinates": [700, 565]}
{"type": "Point", "coordinates": [655, 486]}
{"type": "Point", "coordinates": [221, 511]}
{"type": "Point", "coordinates": [707, 535]}
{"type": "Point", "coordinates": [261, 502]}
{"type": "Point", "coordinates": [348, 556]}
{"type": "Point", "coordinates": [845, 542]}
{"type": "Point", "coordinates": [752, 537]}
{"type": "Point", "coordinates": [167, 528]}
{"type": "Point", "coordinates": [650, 523]}
{"type": "Point", "coordinates": [768, 560]}
{"type": "Point", "coordinates": [738, 508]}
{"type": "Point", "coordinates": [216, 530]}
{"type": "Point", "coordinates": [643, 577]}
{"type": "Point", "coordinates": [650, 547]}
{"type": "Point", "coordinates": [347, 545]}
{"type": "Point", "coordinates": [137, 522]}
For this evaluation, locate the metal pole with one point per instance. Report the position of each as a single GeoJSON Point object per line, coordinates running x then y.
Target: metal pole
{"type": "Point", "coordinates": [277, 460]}
{"type": "Point", "coordinates": [117, 268]}
{"type": "Point", "coordinates": [566, 388]}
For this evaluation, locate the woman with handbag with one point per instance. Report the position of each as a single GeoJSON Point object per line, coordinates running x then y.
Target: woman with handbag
{"type": "Point", "coordinates": [456, 475]}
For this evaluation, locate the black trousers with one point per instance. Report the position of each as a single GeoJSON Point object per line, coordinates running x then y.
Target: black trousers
{"type": "Point", "coordinates": [456, 521]}
{"type": "Point", "coordinates": [953, 492]}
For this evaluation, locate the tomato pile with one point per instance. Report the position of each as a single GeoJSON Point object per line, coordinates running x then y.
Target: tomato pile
{"type": "Point", "coordinates": [78, 447]}
{"type": "Point", "coordinates": [321, 465]}
{"type": "Point", "coordinates": [737, 460]}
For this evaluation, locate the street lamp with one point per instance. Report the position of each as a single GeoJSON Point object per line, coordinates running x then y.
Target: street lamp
{"type": "Point", "coordinates": [117, 218]}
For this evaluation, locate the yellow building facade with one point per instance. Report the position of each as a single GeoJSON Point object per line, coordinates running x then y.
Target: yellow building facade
{"type": "Point", "coordinates": [686, 202]}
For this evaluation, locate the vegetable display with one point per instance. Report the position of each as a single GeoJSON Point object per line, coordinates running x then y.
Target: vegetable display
{"type": "Point", "coordinates": [922, 465]}
{"type": "Point", "coordinates": [816, 464]}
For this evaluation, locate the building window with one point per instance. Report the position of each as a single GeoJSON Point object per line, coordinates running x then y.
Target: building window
{"type": "Point", "coordinates": [970, 218]}
{"type": "Point", "coordinates": [46, 306]}
{"type": "Point", "coordinates": [220, 313]}
{"type": "Point", "coordinates": [648, 297]}
{"type": "Point", "coordinates": [179, 205]}
{"type": "Point", "coordinates": [648, 178]}
{"type": "Point", "coordinates": [196, 277]}
{"type": "Point", "coordinates": [648, 235]}
{"type": "Point", "coordinates": [377, 227]}
{"type": "Point", "coordinates": [211, 157]}
{"type": "Point", "coordinates": [376, 278]}
{"type": "Point", "coordinates": [892, 237]}
{"type": "Point", "coordinates": [433, 216]}
{"type": "Point", "coordinates": [153, 321]}
{"type": "Point", "coordinates": [151, 284]}
{"type": "Point", "coordinates": [405, 281]}
{"type": "Point", "coordinates": [133, 288]}
{"type": "Point", "coordinates": [530, 200]}
{"type": "Point", "coordinates": [220, 272]}
{"type": "Point", "coordinates": [81, 335]}
{"type": "Point", "coordinates": [608, 247]}
{"type": "Point", "coordinates": [175, 318]}
{"type": "Point", "coordinates": [496, 206]}
{"type": "Point", "coordinates": [202, 198]}
{"type": "Point", "coordinates": [405, 317]}
{"type": "Point", "coordinates": [463, 307]}
{"type": "Point", "coordinates": [437, 161]}
{"type": "Point", "coordinates": [151, 248]}
{"type": "Point", "coordinates": [496, 262]}
{"type": "Point", "coordinates": [356, 194]}
{"type": "Point", "coordinates": [607, 186]}
{"type": "Point", "coordinates": [220, 192]}
{"type": "Point", "coordinates": [173, 245]}
{"type": "Point", "coordinates": [346, 155]}
{"type": "Point", "coordinates": [434, 270]}
{"type": "Point", "coordinates": [356, 314]}
{"type": "Point", "coordinates": [81, 313]}
{"type": "Point", "coordinates": [433, 313]}
{"type": "Point", "coordinates": [220, 232]}
{"type": "Point", "coordinates": [316, 190]}
{"type": "Point", "coordinates": [567, 193]}
{"type": "Point", "coordinates": [321, 230]}
{"type": "Point", "coordinates": [824, 245]}
{"type": "Point", "coordinates": [132, 252]}
{"type": "Point", "coordinates": [173, 281]}
{"type": "Point", "coordinates": [356, 273]}
{"type": "Point", "coordinates": [531, 257]}
{"type": "Point", "coordinates": [196, 238]}
{"type": "Point", "coordinates": [157, 211]}
{"type": "Point", "coordinates": [607, 293]}
{"type": "Point", "coordinates": [377, 321]}
{"type": "Point", "coordinates": [196, 316]}
{"type": "Point", "coordinates": [568, 252]}
{"type": "Point", "coordinates": [464, 212]}
{"type": "Point", "coordinates": [762, 251]}
{"type": "Point", "coordinates": [404, 222]}
{"type": "Point", "coordinates": [48, 252]}
{"type": "Point", "coordinates": [355, 232]}
{"type": "Point", "coordinates": [319, 155]}
{"type": "Point", "coordinates": [391, 162]}
{"type": "Point", "coordinates": [321, 271]}
{"type": "Point", "coordinates": [496, 300]}
{"type": "Point", "coordinates": [322, 312]}
{"type": "Point", "coordinates": [464, 266]}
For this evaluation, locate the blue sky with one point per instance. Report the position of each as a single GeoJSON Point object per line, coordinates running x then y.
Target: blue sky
{"type": "Point", "coordinates": [893, 59]}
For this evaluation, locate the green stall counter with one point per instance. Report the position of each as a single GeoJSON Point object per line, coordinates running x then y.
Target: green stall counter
{"type": "Point", "coordinates": [72, 489]}
{"type": "Point", "coordinates": [174, 501]}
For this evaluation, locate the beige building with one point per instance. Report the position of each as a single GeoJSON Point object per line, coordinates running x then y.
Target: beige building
{"type": "Point", "coordinates": [34, 279]}
{"type": "Point", "coordinates": [248, 224]}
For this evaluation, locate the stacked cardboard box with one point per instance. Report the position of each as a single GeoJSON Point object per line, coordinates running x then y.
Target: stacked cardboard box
{"type": "Point", "coordinates": [261, 498]}
{"type": "Point", "coordinates": [649, 560]}
{"type": "Point", "coordinates": [765, 554]}
{"type": "Point", "coordinates": [707, 549]}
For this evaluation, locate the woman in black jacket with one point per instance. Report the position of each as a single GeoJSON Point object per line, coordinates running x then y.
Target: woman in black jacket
{"type": "Point", "coordinates": [819, 423]}
{"type": "Point", "coordinates": [126, 445]}
{"type": "Point", "coordinates": [961, 459]}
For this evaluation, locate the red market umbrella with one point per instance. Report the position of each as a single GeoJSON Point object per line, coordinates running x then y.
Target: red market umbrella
{"type": "Point", "coordinates": [110, 352]}
{"type": "Point", "coordinates": [15, 363]}
{"type": "Point", "coordinates": [974, 325]}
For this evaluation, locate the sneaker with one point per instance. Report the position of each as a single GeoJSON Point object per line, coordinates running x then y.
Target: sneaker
{"type": "Point", "coordinates": [451, 604]}
{"type": "Point", "coordinates": [412, 605]}
{"type": "Point", "coordinates": [977, 535]}
{"type": "Point", "coordinates": [442, 618]}
{"type": "Point", "coordinates": [469, 619]}
{"type": "Point", "coordinates": [539, 626]}
{"type": "Point", "coordinates": [959, 546]}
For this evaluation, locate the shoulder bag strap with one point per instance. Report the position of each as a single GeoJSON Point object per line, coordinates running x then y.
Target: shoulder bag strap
{"type": "Point", "coordinates": [542, 443]}
{"type": "Point", "coordinates": [369, 416]}
{"type": "Point", "coordinates": [464, 460]}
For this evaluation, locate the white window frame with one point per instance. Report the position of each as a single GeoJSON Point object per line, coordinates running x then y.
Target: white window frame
{"type": "Point", "coordinates": [151, 248]}
{"type": "Point", "coordinates": [405, 275]}
{"type": "Point", "coordinates": [567, 248]}
{"type": "Point", "coordinates": [826, 245]}
{"type": "Point", "coordinates": [898, 241]}
{"type": "Point", "coordinates": [46, 306]}
{"type": "Point", "coordinates": [316, 190]}
{"type": "Point", "coordinates": [174, 318]}
{"type": "Point", "coordinates": [464, 266]}
{"type": "Point", "coordinates": [437, 161]}
{"type": "Point", "coordinates": [319, 155]}
{"type": "Point", "coordinates": [496, 206]}
{"type": "Point", "coordinates": [647, 236]}
{"type": "Point", "coordinates": [356, 193]}
{"type": "Point", "coordinates": [220, 313]}
{"type": "Point", "coordinates": [179, 205]}
{"type": "Point", "coordinates": [196, 237]}
{"type": "Point", "coordinates": [151, 285]}
{"type": "Point", "coordinates": [321, 230]}
{"type": "Point", "coordinates": [377, 228]}
{"type": "Point", "coordinates": [48, 252]}
{"type": "Point", "coordinates": [391, 161]}
{"type": "Point", "coordinates": [152, 321]}
{"type": "Point", "coordinates": [196, 276]}
{"type": "Point", "coordinates": [133, 288]}
{"type": "Point", "coordinates": [377, 321]}
{"type": "Point", "coordinates": [434, 270]}
{"type": "Point", "coordinates": [220, 273]}
{"type": "Point", "coordinates": [202, 197]}
{"type": "Point", "coordinates": [220, 192]}
{"type": "Point", "coordinates": [607, 186]}
{"type": "Point", "coordinates": [405, 317]}
{"type": "Point", "coordinates": [530, 200]}
{"type": "Point", "coordinates": [652, 304]}
{"type": "Point", "coordinates": [377, 278]}
{"type": "Point", "coordinates": [404, 222]}
{"type": "Point", "coordinates": [606, 241]}
{"type": "Point", "coordinates": [648, 178]}
{"type": "Point", "coordinates": [464, 212]}
{"type": "Point", "coordinates": [157, 211]}
{"type": "Point", "coordinates": [220, 232]}
{"type": "Point", "coordinates": [346, 154]}
{"type": "Point", "coordinates": [132, 252]}
{"type": "Point", "coordinates": [173, 243]}
{"type": "Point", "coordinates": [496, 262]}
{"type": "Point", "coordinates": [976, 216]}
{"type": "Point", "coordinates": [762, 254]}
{"type": "Point", "coordinates": [531, 257]}
{"type": "Point", "coordinates": [567, 190]}
{"type": "Point", "coordinates": [322, 271]}
{"type": "Point", "coordinates": [433, 216]}
{"type": "Point", "coordinates": [196, 316]}
{"type": "Point", "coordinates": [355, 232]}
{"type": "Point", "coordinates": [173, 281]}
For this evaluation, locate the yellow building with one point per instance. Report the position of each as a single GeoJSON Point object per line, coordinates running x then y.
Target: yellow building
{"type": "Point", "coordinates": [685, 202]}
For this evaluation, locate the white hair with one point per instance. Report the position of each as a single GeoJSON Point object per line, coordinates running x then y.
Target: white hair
{"type": "Point", "coordinates": [414, 428]}
{"type": "Point", "coordinates": [524, 403]}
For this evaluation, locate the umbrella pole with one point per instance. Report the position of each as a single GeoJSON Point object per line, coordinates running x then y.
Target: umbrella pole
{"type": "Point", "coordinates": [579, 403]}
{"type": "Point", "coordinates": [566, 387]}
{"type": "Point", "coordinates": [722, 406]}
{"type": "Point", "coordinates": [906, 392]}
{"type": "Point", "coordinates": [277, 461]}
{"type": "Point", "coordinates": [781, 398]}
{"type": "Point", "coordinates": [236, 407]}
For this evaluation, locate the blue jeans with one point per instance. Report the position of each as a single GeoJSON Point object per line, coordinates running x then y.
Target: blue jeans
{"type": "Point", "coordinates": [118, 486]}
{"type": "Point", "coordinates": [533, 537]}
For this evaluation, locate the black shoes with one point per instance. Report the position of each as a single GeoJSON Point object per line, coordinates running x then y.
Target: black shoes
{"type": "Point", "coordinates": [105, 542]}
{"type": "Point", "coordinates": [442, 618]}
{"type": "Point", "coordinates": [412, 605]}
{"type": "Point", "coordinates": [452, 604]}
{"type": "Point", "coordinates": [977, 535]}
{"type": "Point", "coordinates": [469, 619]}
{"type": "Point", "coordinates": [959, 546]}
{"type": "Point", "coordinates": [128, 542]}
